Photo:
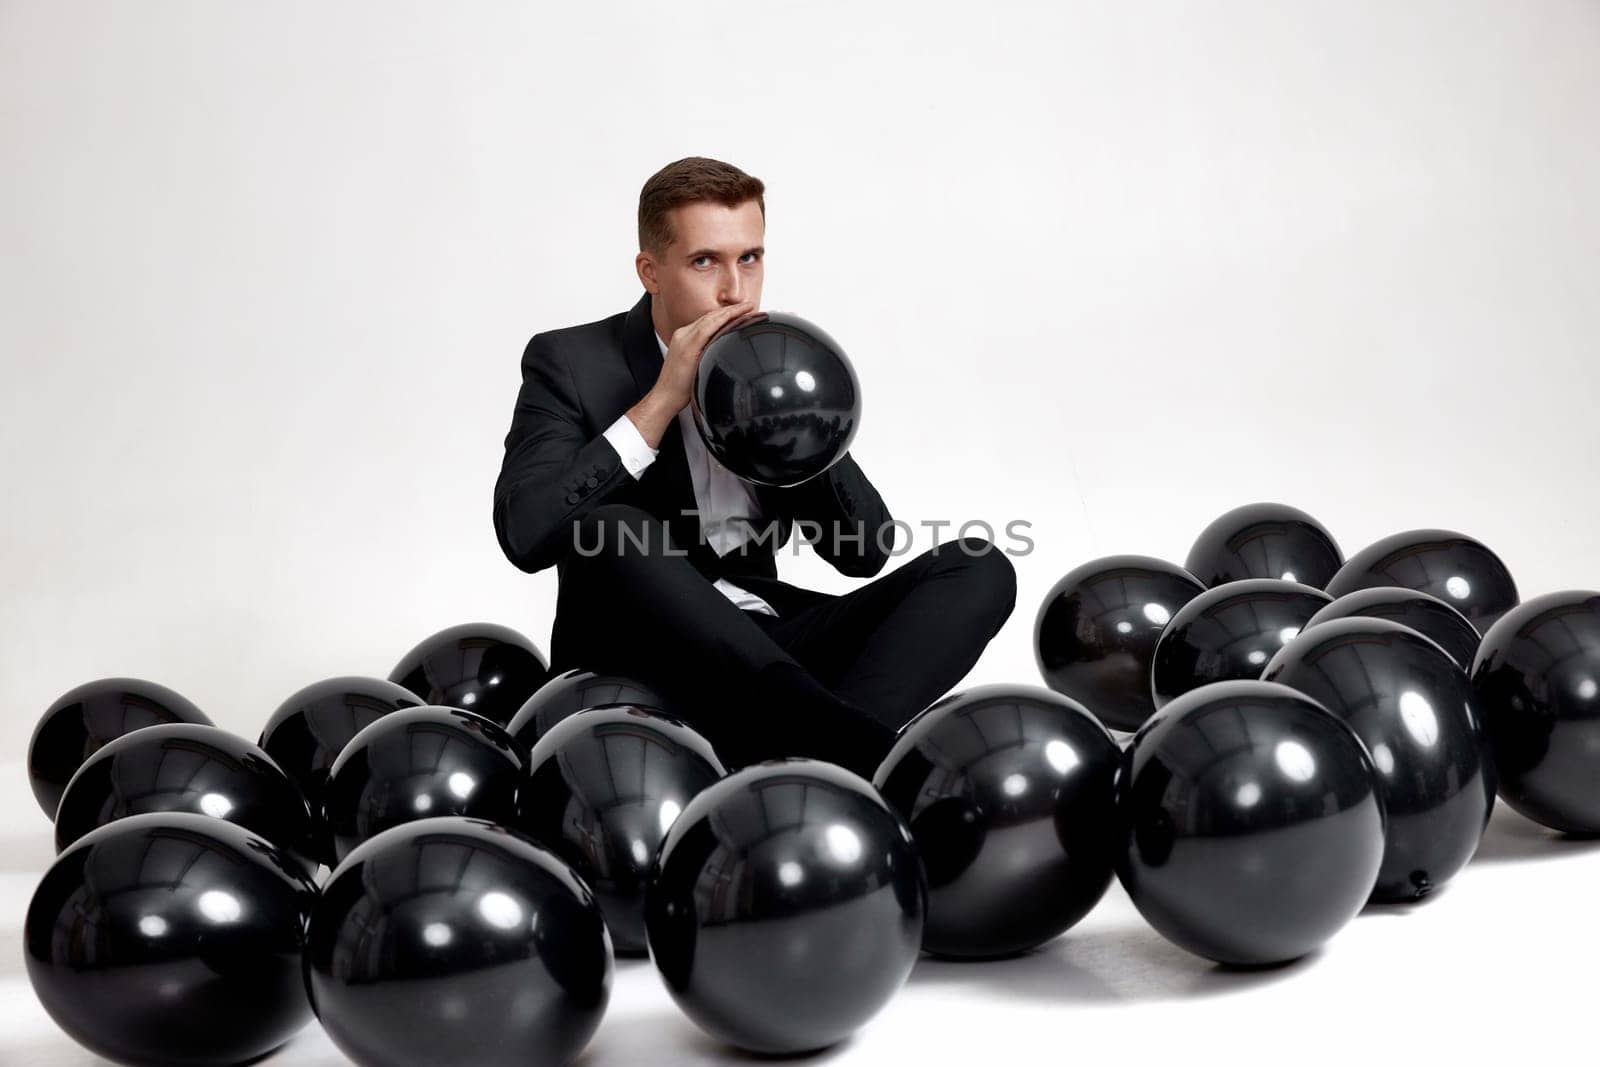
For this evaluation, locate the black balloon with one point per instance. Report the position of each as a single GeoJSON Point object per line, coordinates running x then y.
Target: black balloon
{"type": "Point", "coordinates": [481, 667]}
{"type": "Point", "coordinates": [775, 399]}
{"type": "Point", "coordinates": [1422, 612]}
{"type": "Point", "coordinates": [454, 940]}
{"type": "Point", "coordinates": [1265, 541]}
{"type": "Point", "coordinates": [1009, 793]}
{"type": "Point", "coordinates": [1451, 566]}
{"type": "Point", "coordinates": [309, 730]}
{"type": "Point", "coordinates": [172, 938]}
{"type": "Point", "coordinates": [1252, 828]}
{"type": "Point", "coordinates": [1229, 633]}
{"type": "Point", "coordinates": [1095, 635]}
{"type": "Point", "coordinates": [420, 763]}
{"type": "Point", "coordinates": [1414, 709]}
{"type": "Point", "coordinates": [84, 718]}
{"type": "Point", "coordinates": [603, 788]}
{"type": "Point", "coordinates": [1537, 675]}
{"type": "Point", "coordinates": [786, 906]}
{"type": "Point", "coordinates": [192, 768]}
{"type": "Point", "coordinates": [579, 690]}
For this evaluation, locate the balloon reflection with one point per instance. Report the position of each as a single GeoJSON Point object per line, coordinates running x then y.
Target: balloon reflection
{"type": "Point", "coordinates": [1451, 566]}
{"type": "Point", "coordinates": [603, 789]}
{"type": "Point", "coordinates": [193, 768]}
{"type": "Point", "coordinates": [786, 906]}
{"type": "Point", "coordinates": [454, 940]}
{"type": "Point", "coordinates": [1097, 628]}
{"type": "Point", "coordinates": [1008, 792]}
{"type": "Point", "coordinates": [1415, 710]}
{"type": "Point", "coordinates": [1229, 633]}
{"type": "Point", "coordinates": [172, 937]}
{"type": "Point", "coordinates": [1251, 827]}
{"type": "Point", "coordinates": [1535, 677]}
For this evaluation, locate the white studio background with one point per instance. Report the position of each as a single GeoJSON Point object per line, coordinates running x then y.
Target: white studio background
{"type": "Point", "coordinates": [267, 271]}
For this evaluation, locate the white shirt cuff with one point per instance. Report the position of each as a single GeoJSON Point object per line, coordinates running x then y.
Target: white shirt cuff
{"type": "Point", "coordinates": [630, 445]}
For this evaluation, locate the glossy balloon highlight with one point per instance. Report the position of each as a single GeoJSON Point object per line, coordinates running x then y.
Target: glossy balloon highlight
{"type": "Point", "coordinates": [421, 763]}
{"type": "Point", "coordinates": [579, 690]}
{"type": "Point", "coordinates": [786, 906]}
{"type": "Point", "coordinates": [1094, 638]}
{"type": "Point", "coordinates": [1009, 794]}
{"type": "Point", "coordinates": [603, 788]}
{"type": "Point", "coordinates": [481, 667]}
{"type": "Point", "coordinates": [454, 940]}
{"type": "Point", "coordinates": [1229, 633]}
{"type": "Point", "coordinates": [192, 768]}
{"type": "Point", "coordinates": [308, 731]}
{"type": "Point", "coordinates": [86, 717]}
{"type": "Point", "coordinates": [1265, 541]}
{"type": "Point", "coordinates": [1451, 566]}
{"type": "Point", "coordinates": [1537, 675]}
{"type": "Point", "coordinates": [775, 399]}
{"type": "Point", "coordinates": [1422, 612]}
{"type": "Point", "coordinates": [172, 938]}
{"type": "Point", "coordinates": [1251, 824]}
{"type": "Point", "coordinates": [1414, 709]}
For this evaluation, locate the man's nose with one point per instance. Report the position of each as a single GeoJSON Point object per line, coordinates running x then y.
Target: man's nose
{"type": "Point", "coordinates": [732, 289]}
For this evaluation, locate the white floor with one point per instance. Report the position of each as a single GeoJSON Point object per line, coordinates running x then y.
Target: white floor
{"type": "Point", "coordinates": [1498, 966]}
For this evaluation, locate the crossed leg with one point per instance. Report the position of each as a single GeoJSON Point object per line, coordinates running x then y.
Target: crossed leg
{"type": "Point", "coordinates": [833, 681]}
{"type": "Point", "coordinates": [895, 645]}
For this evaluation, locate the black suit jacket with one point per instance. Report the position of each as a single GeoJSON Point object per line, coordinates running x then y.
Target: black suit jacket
{"type": "Point", "coordinates": [557, 467]}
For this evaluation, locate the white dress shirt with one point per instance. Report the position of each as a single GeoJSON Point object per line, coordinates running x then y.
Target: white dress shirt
{"type": "Point", "coordinates": [719, 494]}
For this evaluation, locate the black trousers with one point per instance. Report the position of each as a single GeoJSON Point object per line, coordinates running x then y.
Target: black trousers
{"type": "Point", "coordinates": [833, 680]}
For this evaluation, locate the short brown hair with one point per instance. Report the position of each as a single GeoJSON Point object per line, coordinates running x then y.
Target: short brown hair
{"type": "Point", "coordinates": [690, 181]}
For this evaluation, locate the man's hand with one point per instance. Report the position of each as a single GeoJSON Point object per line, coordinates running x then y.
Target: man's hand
{"type": "Point", "coordinates": [656, 409]}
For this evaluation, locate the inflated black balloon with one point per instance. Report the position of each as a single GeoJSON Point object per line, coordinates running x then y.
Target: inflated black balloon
{"type": "Point", "coordinates": [1537, 675]}
{"type": "Point", "coordinates": [603, 788]}
{"type": "Point", "coordinates": [1229, 633]}
{"type": "Point", "coordinates": [1265, 541]}
{"type": "Point", "coordinates": [418, 763]}
{"type": "Point", "coordinates": [1422, 612]}
{"type": "Point", "coordinates": [775, 399]}
{"type": "Point", "coordinates": [85, 718]}
{"type": "Point", "coordinates": [786, 906]}
{"type": "Point", "coordinates": [481, 667]}
{"type": "Point", "coordinates": [172, 938]}
{"type": "Point", "coordinates": [1009, 793]}
{"type": "Point", "coordinates": [1453, 567]}
{"type": "Point", "coordinates": [309, 730]}
{"type": "Point", "coordinates": [579, 690]}
{"type": "Point", "coordinates": [1095, 634]}
{"type": "Point", "coordinates": [193, 768]}
{"type": "Point", "coordinates": [1252, 828]}
{"type": "Point", "coordinates": [455, 940]}
{"type": "Point", "coordinates": [1414, 709]}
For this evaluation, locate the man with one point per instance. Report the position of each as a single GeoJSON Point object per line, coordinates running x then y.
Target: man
{"type": "Point", "coordinates": [665, 573]}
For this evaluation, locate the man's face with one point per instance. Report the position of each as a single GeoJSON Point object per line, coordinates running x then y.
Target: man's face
{"type": "Point", "coordinates": [716, 259]}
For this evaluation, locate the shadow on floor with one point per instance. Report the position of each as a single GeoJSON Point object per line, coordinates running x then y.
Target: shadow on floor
{"type": "Point", "coordinates": [1124, 963]}
{"type": "Point", "coordinates": [1514, 837]}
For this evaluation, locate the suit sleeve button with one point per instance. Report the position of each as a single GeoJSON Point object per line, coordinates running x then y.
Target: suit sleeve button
{"type": "Point", "coordinates": [572, 498]}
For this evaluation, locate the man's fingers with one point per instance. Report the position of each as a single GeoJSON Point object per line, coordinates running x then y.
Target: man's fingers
{"type": "Point", "coordinates": [700, 330]}
{"type": "Point", "coordinates": [719, 318]}
{"type": "Point", "coordinates": [733, 311]}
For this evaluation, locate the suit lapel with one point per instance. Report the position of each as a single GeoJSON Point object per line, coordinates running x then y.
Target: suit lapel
{"type": "Point", "coordinates": [639, 346]}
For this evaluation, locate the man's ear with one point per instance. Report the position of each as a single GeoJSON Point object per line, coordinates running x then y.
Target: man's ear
{"type": "Point", "coordinates": [645, 266]}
